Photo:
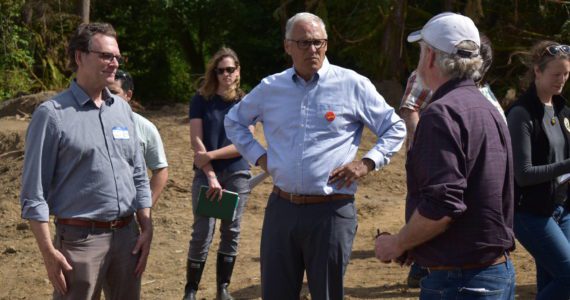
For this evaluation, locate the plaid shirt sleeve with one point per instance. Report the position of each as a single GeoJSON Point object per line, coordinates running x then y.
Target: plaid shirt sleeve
{"type": "Point", "coordinates": [416, 96]}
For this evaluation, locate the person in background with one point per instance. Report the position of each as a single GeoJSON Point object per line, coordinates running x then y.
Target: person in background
{"type": "Point", "coordinates": [149, 138]}
{"type": "Point", "coordinates": [313, 117]}
{"type": "Point", "coordinates": [218, 165]}
{"type": "Point", "coordinates": [417, 97]}
{"type": "Point", "coordinates": [540, 130]}
{"type": "Point", "coordinates": [84, 166]}
{"type": "Point", "coordinates": [459, 206]}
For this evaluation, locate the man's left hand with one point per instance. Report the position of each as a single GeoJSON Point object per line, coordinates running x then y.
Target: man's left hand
{"type": "Point", "coordinates": [387, 248]}
{"type": "Point", "coordinates": [142, 247]}
{"type": "Point", "coordinates": [349, 173]}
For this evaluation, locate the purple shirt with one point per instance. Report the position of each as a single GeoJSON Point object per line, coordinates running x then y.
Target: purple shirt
{"type": "Point", "coordinates": [460, 166]}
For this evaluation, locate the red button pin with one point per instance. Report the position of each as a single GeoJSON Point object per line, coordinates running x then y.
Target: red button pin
{"type": "Point", "coordinates": [330, 116]}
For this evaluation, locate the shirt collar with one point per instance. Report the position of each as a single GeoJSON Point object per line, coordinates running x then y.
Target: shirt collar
{"type": "Point", "coordinates": [450, 85]}
{"type": "Point", "coordinates": [320, 73]}
{"type": "Point", "coordinates": [82, 98]}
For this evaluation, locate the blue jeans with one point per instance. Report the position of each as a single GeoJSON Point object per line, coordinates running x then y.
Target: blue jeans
{"type": "Point", "coordinates": [547, 239]}
{"type": "Point", "coordinates": [203, 227]}
{"type": "Point", "coordinates": [495, 282]}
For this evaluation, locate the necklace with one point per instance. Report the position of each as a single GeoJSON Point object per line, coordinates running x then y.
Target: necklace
{"type": "Point", "coordinates": [550, 114]}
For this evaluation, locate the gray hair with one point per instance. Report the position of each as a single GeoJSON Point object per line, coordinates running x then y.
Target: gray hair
{"type": "Point", "coordinates": [303, 16]}
{"type": "Point", "coordinates": [456, 66]}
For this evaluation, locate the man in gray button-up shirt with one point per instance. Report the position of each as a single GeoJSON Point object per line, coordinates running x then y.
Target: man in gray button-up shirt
{"type": "Point", "coordinates": [83, 165]}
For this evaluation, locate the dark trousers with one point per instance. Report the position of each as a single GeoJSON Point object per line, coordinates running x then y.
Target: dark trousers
{"type": "Point", "coordinates": [313, 237]}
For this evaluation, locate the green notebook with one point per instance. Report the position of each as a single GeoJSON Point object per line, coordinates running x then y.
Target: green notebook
{"type": "Point", "coordinates": [224, 209]}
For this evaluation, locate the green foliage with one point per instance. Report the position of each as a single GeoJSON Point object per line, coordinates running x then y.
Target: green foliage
{"type": "Point", "coordinates": [169, 42]}
{"type": "Point", "coordinates": [33, 54]}
{"type": "Point", "coordinates": [15, 54]}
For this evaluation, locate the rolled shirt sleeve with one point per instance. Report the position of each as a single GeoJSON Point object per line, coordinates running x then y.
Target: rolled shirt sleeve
{"type": "Point", "coordinates": [39, 164]}
{"type": "Point", "coordinates": [440, 172]}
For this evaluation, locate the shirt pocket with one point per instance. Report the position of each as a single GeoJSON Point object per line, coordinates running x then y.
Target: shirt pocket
{"type": "Point", "coordinates": [125, 145]}
{"type": "Point", "coordinates": [330, 120]}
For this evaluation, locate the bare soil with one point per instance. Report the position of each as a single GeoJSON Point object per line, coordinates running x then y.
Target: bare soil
{"type": "Point", "coordinates": [380, 203]}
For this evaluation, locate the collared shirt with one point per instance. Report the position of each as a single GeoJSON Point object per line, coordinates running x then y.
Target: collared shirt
{"type": "Point", "coordinates": [82, 161]}
{"type": "Point", "coordinates": [468, 177]}
{"type": "Point", "coordinates": [151, 143]}
{"type": "Point", "coordinates": [313, 127]}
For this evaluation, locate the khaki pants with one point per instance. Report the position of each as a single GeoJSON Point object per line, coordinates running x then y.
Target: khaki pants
{"type": "Point", "coordinates": [101, 260]}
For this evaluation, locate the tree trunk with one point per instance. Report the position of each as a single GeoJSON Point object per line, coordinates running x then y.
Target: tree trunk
{"type": "Point", "coordinates": [191, 46]}
{"type": "Point", "coordinates": [83, 10]}
{"type": "Point", "coordinates": [392, 40]}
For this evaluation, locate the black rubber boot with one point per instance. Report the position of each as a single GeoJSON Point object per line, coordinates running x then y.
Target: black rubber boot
{"type": "Point", "coordinates": [224, 268]}
{"type": "Point", "coordinates": [194, 271]}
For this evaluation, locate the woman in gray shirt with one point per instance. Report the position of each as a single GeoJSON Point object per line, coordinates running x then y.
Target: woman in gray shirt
{"type": "Point", "coordinates": [540, 131]}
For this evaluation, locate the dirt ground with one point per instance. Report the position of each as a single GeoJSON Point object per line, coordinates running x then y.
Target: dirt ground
{"type": "Point", "coordinates": [380, 203]}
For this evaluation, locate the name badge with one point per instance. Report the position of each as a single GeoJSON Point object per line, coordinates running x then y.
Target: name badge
{"type": "Point", "coordinates": [120, 133]}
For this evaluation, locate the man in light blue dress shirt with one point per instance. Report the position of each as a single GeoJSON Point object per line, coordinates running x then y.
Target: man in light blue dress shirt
{"type": "Point", "coordinates": [84, 166]}
{"type": "Point", "coordinates": [313, 115]}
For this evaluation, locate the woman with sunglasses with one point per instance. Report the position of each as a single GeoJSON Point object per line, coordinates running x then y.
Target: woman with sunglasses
{"type": "Point", "coordinates": [539, 123]}
{"type": "Point", "coordinates": [218, 165]}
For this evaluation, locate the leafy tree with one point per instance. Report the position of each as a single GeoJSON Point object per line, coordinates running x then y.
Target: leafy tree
{"type": "Point", "coordinates": [168, 42]}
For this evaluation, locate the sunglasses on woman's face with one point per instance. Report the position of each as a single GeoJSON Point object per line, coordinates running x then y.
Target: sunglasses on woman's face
{"type": "Point", "coordinates": [230, 70]}
{"type": "Point", "coordinates": [556, 49]}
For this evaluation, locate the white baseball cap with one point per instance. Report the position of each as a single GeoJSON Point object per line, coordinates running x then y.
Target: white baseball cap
{"type": "Point", "coordinates": [445, 31]}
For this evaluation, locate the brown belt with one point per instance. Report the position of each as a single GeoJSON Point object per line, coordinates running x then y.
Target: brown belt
{"type": "Point", "coordinates": [310, 199]}
{"type": "Point", "coordinates": [115, 224]}
{"type": "Point", "coordinates": [499, 260]}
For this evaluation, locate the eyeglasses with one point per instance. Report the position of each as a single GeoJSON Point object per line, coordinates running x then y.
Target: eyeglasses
{"type": "Point", "coordinates": [108, 57]}
{"type": "Point", "coordinates": [305, 44]}
{"type": "Point", "coordinates": [221, 71]}
{"type": "Point", "coordinates": [556, 49]}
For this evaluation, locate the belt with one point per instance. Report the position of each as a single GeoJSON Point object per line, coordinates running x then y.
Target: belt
{"type": "Point", "coordinates": [115, 224]}
{"type": "Point", "coordinates": [499, 260]}
{"type": "Point", "coordinates": [310, 199]}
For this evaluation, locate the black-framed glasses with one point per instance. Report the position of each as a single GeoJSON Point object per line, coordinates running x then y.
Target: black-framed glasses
{"type": "Point", "coordinates": [556, 49]}
{"type": "Point", "coordinates": [305, 44]}
{"type": "Point", "coordinates": [108, 57]}
{"type": "Point", "coordinates": [221, 71]}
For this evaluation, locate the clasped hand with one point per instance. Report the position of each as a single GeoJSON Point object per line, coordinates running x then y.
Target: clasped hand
{"type": "Point", "coordinates": [387, 249]}
{"type": "Point", "coordinates": [201, 158]}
